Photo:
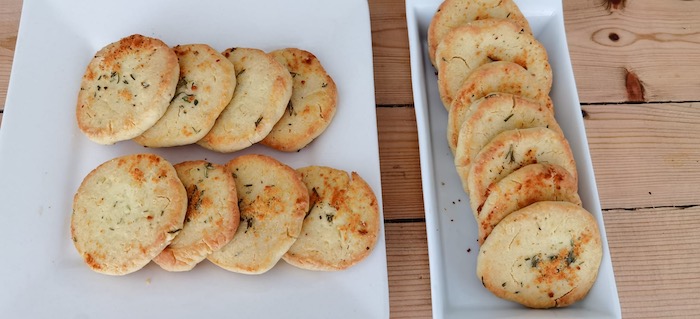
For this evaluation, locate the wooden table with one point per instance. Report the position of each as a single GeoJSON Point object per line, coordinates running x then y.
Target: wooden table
{"type": "Point", "coordinates": [637, 65]}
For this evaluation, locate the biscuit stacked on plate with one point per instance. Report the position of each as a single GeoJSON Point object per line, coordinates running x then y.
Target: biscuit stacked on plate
{"type": "Point", "coordinates": [539, 247]}
{"type": "Point", "coordinates": [243, 216]}
{"type": "Point", "coordinates": [139, 88]}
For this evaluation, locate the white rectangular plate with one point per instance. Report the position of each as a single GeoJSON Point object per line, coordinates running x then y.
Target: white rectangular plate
{"type": "Point", "coordinates": [44, 157]}
{"type": "Point", "coordinates": [452, 230]}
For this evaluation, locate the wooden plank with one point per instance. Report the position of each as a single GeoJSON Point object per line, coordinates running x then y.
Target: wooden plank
{"type": "Point", "coordinates": [392, 69]}
{"type": "Point", "coordinates": [645, 155]}
{"type": "Point", "coordinates": [400, 163]}
{"type": "Point", "coordinates": [9, 23]}
{"type": "Point", "coordinates": [654, 253]}
{"type": "Point", "coordinates": [409, 270]}
{"type": "Point", "coordinates": [641, 50]}
{"type": "Point", "coordinates": [0, 119]}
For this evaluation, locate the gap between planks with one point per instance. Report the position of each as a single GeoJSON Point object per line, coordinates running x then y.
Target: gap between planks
{"type": "Point", "coordinates": [636, 103]}
{"type": "Point", "coordinates": [632, 209]}
{"type": "Point", "coordinates": [404, 220]}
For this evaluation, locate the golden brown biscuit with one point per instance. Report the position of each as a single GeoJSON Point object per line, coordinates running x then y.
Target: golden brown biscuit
{"type": "Point", "coordinates": [544, 255]}
{"type": "Point", "coordinates": [511, 150]}
{"type": "Point", "coordinates": [453, 13]}
{"type": "Point", "coordinates": [207, 81]}
{"type": "Point", "coordinates": [312, 106]}
{"type": "Point", "coordinates": [491, 115]}
{"type": "Point", "coordinates": [126, 211]}
{"type": "Point", "coordinates": [273, 201]}
{"type": "Point", "coordinates": [126, 88]}
{"type": "Point", "coordinates": [342, 225]}
{"type": "Point", "coordinates": [468, 47]}
{"type": "Point", "coordinates": [495, 77]}
{"type": "Point", "coordinates": [528, 184]}
{"type": "Point", "coordinates": [262, 93]}
{"type": "Point", "coordinates": [212, 215]}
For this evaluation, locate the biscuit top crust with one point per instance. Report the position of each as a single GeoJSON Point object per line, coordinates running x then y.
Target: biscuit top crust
{"type": "Point", "coordinates": [205, 86]}
{"type": "Point", "coordinates": [544, 255]}
{"type": "Point", "coordinates": [263, 90]}
{"type": "Point", "coordinates": [126, 88]}
{"type": "Point", "coordinates": [525, 186]}
{"type": "Point", "coordinates": [468, 47]}
{"type": "Point", "coordinates": [453, 13]}
{"type": "Point", "coordinates": [273, 201]}
{"type": "Point", "coordinates": [513, 149]}
{"type": "Point", "coordinates": [212, 215]}
{"type": "Point", "coordinates": [500, 76]}
{"type": "Point", "coordinates": [492, 115]}
{"type": "Point", "coordinates": [342, 225]}
{"type": "Point", "coordinates": [312, 105]}
{"type": "Point", "coordinates": [126, 211]}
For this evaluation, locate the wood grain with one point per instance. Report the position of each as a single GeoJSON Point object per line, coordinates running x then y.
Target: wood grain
{"type": "Point", "coordinates": [645, 155]}
{"type": "Point", "coordinates": [9, 24]}
{"type": "Point", "coordinates": [392, 70]}
{"type": "Point", "coordinates": [657, 42]}
{"type": "Point", "coordinates": [409, 272]}
{"type": "Point", "coordinates": [400, 163]}
{"type": "Point", "coordinates": [654, 254]}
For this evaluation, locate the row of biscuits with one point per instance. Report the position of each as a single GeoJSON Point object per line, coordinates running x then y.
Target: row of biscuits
{"type": "Point", "coordinates": [243, 216]}
{"type": "Point", "coordinates": [140, 88]}
{"type": "Point", "coordinates": [539, 247]}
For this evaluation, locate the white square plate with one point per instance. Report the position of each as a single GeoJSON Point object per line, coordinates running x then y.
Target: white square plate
{"type": "Point", "coordinates": [452, 230]}
{"type": "Point", "coordinates": [44, 157]}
